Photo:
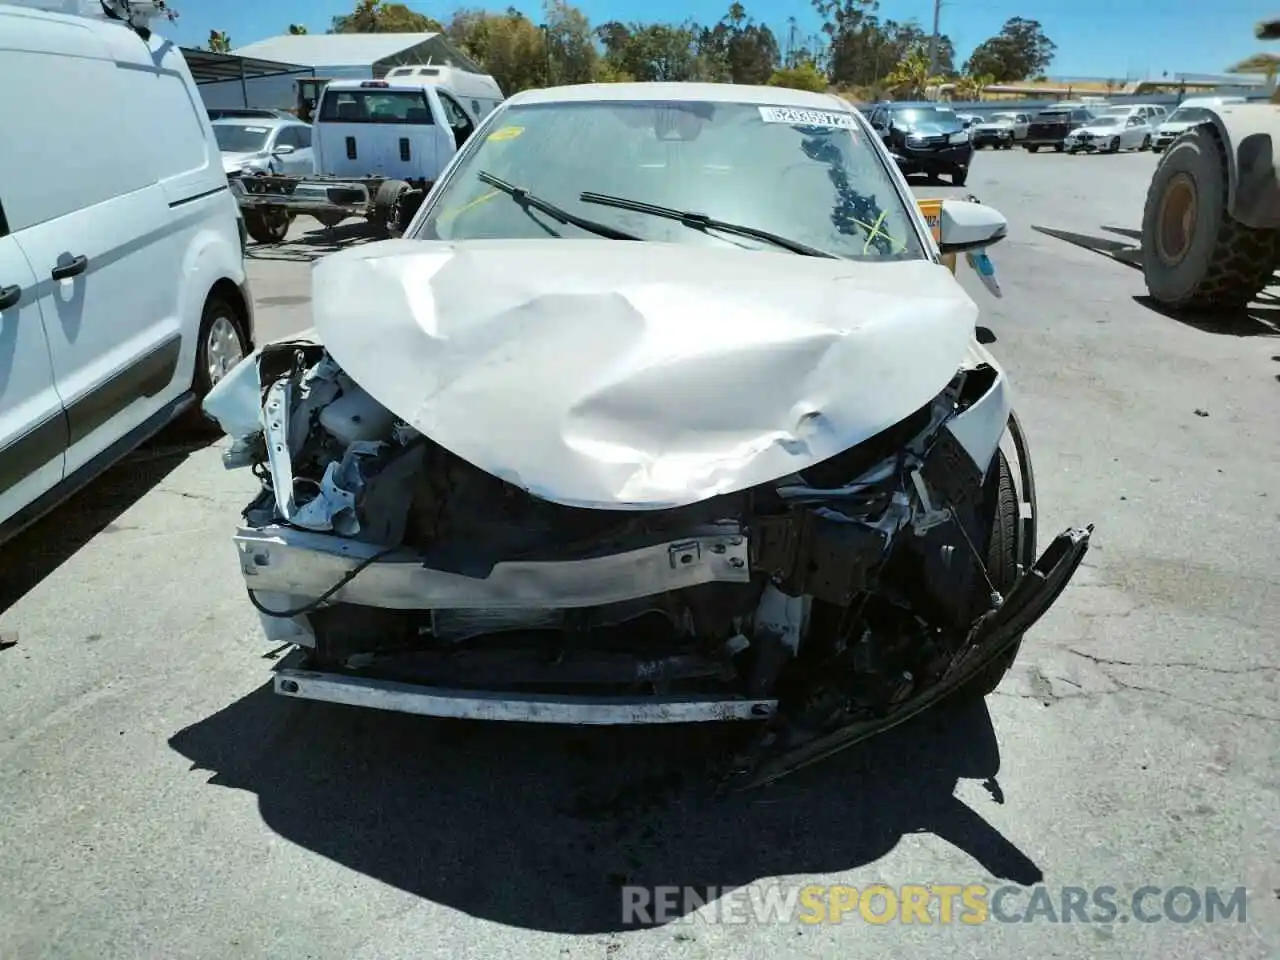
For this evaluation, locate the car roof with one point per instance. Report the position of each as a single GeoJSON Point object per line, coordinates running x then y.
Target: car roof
{"type": "Point", "coordinates": [677, 92]}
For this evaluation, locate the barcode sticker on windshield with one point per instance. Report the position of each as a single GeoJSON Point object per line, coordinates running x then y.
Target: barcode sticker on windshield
{"type": "Point", "coordinates": [808, 118]}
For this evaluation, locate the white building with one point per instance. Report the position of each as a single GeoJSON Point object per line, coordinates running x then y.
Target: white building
{"type": "Point", "coordinates": [330, 56]}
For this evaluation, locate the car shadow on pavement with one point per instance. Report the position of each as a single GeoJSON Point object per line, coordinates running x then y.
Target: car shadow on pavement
{"type": "Point", "coordinates": [539, 827]}
{"type": "Point", "coordinates": [314, 244]}
{"type": "Point", "coordinates": [43, 547]}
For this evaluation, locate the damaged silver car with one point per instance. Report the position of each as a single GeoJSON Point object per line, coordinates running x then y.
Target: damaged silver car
{"type": "Point", "coordinates": [665, 409]}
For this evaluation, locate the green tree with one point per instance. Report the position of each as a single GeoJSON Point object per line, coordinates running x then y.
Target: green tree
{"type": "Point", "coordinates": [1020, 50]}
{"type": "Point", "coordinates": [863, 49]}
{"type": "Point", "coordinates": [378, 16]}
{"type": "Point", "coordinates": [219, 42]}
{"type": "Point", "coordinates": [803, 77]}
{"type": "Point", "coordinates": [747, 52]}
{"type": "Point", "coordinates": [572, 47]}
{"type": "Point", "coordinates": [653, 51]}
{"type": "Point", "coordinates": [297, 30]}
{"type": "Point", "coordinates": [509, 45]}
{"type": "Point", "coordinates": [909, 79]}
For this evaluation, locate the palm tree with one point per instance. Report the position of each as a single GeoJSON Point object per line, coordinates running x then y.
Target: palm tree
{"type": "Point", "coordinates": [219, 42]}
{"type": "Point", "coordinates": [910, 77]}
{"type": "Point", "coordinates": [297, 30]}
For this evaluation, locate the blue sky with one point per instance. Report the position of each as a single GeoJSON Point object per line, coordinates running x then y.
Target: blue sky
{"type": "Point", "coordinates": [1095, 38]}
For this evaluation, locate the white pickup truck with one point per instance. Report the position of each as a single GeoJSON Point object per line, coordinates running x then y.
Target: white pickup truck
{"type": "Point", "coordinates": [379, 145]}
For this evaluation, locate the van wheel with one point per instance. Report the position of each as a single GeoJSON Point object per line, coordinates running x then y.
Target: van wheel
{"type": "Point", "coordinates": [1002, 569]}
{"type": "Point", "coordinates": [268, 226]}
{"type": "Point", "coordinates": [221, 346]}
{"type": "Point", "coordinates": [1033, 148]}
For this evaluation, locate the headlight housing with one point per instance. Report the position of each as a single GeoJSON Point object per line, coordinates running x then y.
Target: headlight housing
{"type": "Point", "coordinates": [961, 137]}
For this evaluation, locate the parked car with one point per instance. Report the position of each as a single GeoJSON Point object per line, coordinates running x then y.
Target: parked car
{"type": "Point", "coordinates": [123, 296]}
{"type": "Point", "coordinates": [997, 131]}
{"type": "Point", "coordinates": [265, 145]}
{"type": "Point", "coordinates": [925, 138]}
{"type": "Point", "coordinates": [1190, 113]}
{"type": "Point", "coordinates": [248, 113]}
{"type": "Point", "coordinates": [1049, 128]}
{"type": "Point", "coordinates": [1111, 134]}
{"type": "Point", "coordinates": [1001, 130]}
{"type": "Point", "coordinates": [665, 409]}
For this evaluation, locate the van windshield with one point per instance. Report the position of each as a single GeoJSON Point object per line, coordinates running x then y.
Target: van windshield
{"type": "Point", "coordinates": [241, 137]}
{"type": "Point", "coordinates": [375, 106]}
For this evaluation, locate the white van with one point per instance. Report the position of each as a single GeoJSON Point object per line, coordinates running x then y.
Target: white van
{"type": "Point", "coordinates": [122, 286]}
{"type": "Point", "coordinates": [478, 92]}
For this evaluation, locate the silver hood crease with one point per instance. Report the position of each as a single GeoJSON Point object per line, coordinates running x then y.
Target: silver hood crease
{"type": "Point", "coordinates": [609, 374]}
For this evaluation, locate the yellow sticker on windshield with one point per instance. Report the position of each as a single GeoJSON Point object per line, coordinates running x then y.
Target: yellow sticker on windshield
{"type": "Point", "coordinates": [505, 133]}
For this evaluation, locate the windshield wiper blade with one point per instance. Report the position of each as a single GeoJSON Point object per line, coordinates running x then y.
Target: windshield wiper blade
{"type": "Point", "coordinates": [700, 221]}
{"type": "Point", "coordinates": [530, 201]}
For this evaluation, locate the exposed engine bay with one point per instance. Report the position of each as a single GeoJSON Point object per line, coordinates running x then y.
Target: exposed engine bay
{"type": "Point", "coordinates": [840, 598]}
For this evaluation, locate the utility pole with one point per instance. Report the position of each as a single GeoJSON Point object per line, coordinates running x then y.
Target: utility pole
{"type": "Point", "coordinates": [933, 40]}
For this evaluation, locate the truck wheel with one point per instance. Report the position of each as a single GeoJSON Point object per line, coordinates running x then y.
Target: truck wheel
{"type": "Point", "coordinates": [1002, 569]}
{"type": "Point", "coordinates": [386, 207]}
{"type": "Point", "coordinates": [269, 226]}
{"type": "Point", "coordinates": [1058, 148]}
{"type": "Point", "coordinates": [1195, 257]}
{"type": "Point", "coordinates": [959, 176]}
{"type": "Point", "coordinates": [1033, 148]}
{"type": "Point", "coordinates": [330, 220]}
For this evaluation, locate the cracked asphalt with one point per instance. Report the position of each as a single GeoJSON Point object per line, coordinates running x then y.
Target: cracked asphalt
{"type": "Point", "coordinates": [157, 802]}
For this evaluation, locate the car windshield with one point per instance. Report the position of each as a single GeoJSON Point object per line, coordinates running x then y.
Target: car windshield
{"type": "Point", "coordinates": [926, 115]}
{"type": "Point", "coordinates": [240, 137]}
{"type": "Point", "coordinates": [1108, 121]}
{"type": "Point", "coordinates": [1003, 118]}
{"type": "Point", "coordinates": [813, 177]}
{"type": "Point", "coordinates": [1189, 115]}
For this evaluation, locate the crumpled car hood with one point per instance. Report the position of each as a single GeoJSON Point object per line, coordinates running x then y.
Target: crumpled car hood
{"type": "Point", "coordinates": [624, 375]}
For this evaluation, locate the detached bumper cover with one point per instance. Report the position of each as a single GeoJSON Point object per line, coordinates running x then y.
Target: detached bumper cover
{"type": "Point", "coordinates": [1032, 596]}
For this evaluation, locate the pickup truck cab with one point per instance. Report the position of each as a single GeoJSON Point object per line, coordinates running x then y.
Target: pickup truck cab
{"type": "Point", "coordinates": [401, 131]}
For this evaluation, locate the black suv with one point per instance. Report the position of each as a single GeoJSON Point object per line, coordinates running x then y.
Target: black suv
{"type": "Point", "coordinates": [925, 138]}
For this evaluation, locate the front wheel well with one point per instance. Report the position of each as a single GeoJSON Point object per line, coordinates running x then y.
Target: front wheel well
{"type": "Point", "coordinates": [230, 292]}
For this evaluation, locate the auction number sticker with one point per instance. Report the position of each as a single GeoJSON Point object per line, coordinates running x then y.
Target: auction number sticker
{"type": "Point", "coordinates": [506, 133]}
{"type": "Point", "coordinates": [808, 118]}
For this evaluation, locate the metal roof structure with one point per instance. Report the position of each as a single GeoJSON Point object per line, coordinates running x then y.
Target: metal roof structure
{"type": "Point", "coordinates": [333, 49]}
{"type": "Point", "coordinates": [209, 67]}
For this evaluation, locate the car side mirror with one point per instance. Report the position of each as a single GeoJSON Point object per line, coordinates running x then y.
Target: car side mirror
{"type": "Point", "coordinates": [964, 226]}
{"type": "Point", "coordinates": [283, 150]}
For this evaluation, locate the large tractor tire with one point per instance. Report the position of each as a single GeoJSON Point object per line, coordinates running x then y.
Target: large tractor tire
{"type": "Point", "coordinates": [1195, 257]}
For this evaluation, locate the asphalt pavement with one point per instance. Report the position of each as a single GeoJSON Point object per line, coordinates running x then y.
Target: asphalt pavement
{"type": "Point", "coordinates": [157, 801]}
